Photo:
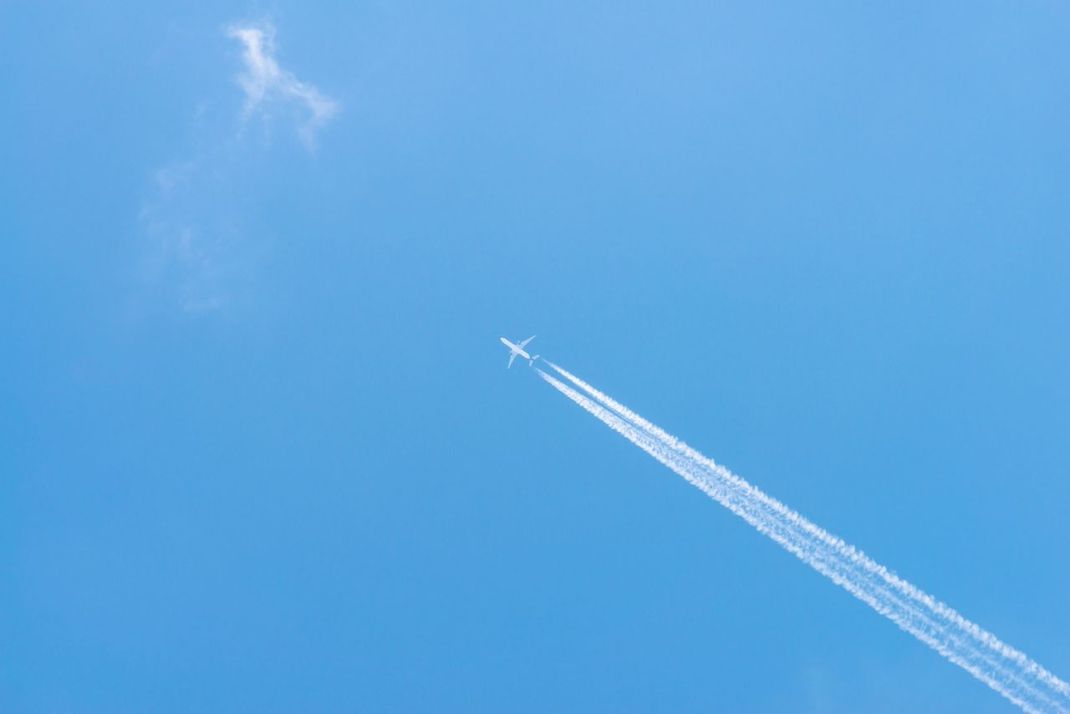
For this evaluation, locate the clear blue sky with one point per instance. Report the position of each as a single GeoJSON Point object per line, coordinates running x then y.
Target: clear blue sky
{"type": "Point", "coordinates": [260, 451]}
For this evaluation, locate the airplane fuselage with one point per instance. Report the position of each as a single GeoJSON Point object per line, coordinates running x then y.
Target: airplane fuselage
{"type": "Point", "coordinates": [515, 349]}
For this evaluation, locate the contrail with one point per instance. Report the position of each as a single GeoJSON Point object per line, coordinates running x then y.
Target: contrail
{"type": "Point", "coordinates": [1000, 666]}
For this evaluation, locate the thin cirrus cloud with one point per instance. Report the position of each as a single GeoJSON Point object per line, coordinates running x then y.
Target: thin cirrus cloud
{"type": "Point", "coordinates": [201, 250]}
{"type": "Point", "coordinates": [265, 82]}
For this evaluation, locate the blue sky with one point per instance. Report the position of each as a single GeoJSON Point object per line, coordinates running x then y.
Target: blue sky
{"type": "Point", "coordinates": [260, 449]}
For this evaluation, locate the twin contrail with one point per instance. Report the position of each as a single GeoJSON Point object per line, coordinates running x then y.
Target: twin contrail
{"type": "Point", "coordinates": [1000, 666]}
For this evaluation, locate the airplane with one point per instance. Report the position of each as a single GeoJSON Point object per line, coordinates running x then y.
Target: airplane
{"type": "Point", "coordinates": [518, 350]}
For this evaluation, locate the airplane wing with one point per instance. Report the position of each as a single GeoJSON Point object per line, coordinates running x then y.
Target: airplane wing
{"type": "Point", "coordinates": [527, 340]}
{"type": "Point", "coordinates": [512, 356]}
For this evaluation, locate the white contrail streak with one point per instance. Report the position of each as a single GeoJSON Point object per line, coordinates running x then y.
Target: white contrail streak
{"type": "Point", "coordinates": [1000, 666]}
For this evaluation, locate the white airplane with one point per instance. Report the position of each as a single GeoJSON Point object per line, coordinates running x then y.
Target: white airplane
{"type": "Point", "coordinates": [518, 350]}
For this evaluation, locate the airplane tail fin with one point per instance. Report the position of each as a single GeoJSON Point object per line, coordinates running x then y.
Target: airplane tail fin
{"type": "Point", "coordinates": [532, 360]}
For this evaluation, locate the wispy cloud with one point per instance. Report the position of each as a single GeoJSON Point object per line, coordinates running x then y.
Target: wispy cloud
{"type": "Point", "coordinates": [191, 240]}
{"type": "Point", "coordinates": [200, 248]}
{"type": "Point", "coordinates": [265, 82]}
